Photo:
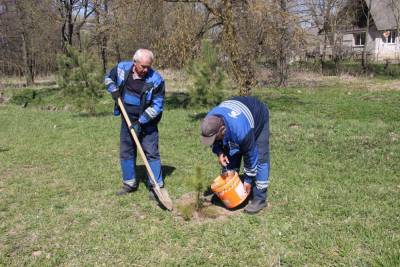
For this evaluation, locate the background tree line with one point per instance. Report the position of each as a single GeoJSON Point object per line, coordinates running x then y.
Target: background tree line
{"type": "Point", "coordinates": [247, 33]}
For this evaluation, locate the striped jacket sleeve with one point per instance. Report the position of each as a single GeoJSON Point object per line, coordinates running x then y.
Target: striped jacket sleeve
{"type": "Point", "coordinates": [157, 104]}
{"type": "Point", "coordinates": [110, 80]}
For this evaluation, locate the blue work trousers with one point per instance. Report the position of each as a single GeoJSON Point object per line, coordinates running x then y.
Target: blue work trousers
{"type": "Point", "coordinates": [260, 184]}
{"type": "Point", "coordinates": [128, 152]}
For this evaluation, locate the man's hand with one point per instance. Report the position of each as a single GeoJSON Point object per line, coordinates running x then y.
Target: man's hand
{"type": "Point", "coordinates": [223, 160]}
{"type": "Point", "coordinates": [115, 95]}
{"type": "Point", "coordinates": [136, 127]}
{"type": "Point", "coordinates": [247, 187]}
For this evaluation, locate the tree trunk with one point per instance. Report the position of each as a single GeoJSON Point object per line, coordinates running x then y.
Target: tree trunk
{"type": "Point", "coordinates": [283, 53]}
{"type": "Point", "coordinates": [70, 23]}
{"type": "Point", "coordinates": [118, 52]}
{"type": "Point", "coordinates": [323, 55]}
{"type": "Point", "coordinates": [25, 21]}
{"type": "Point", "coordinates": [365, 50]}
{"type": "Point", "coordinates": [67, 28]}
{"type": "Point", "coordinates": [336, 52]}
{"type": "Point", "coordinates": [241, 64]}
{"type": "Point", "coordinates": [26, 55]}
{"type": "Point", "coordinates": [103, 41]}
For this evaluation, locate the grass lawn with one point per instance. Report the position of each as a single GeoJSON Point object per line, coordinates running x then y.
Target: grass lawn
{"type": "Point", "coordinates": [334, 193]}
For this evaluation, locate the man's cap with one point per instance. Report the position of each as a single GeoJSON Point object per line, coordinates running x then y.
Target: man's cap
{"type": "Point", "coordinates": [209, 129]}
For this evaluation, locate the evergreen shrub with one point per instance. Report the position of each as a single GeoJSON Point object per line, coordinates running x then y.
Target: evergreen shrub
{"type": "Point", "coordinates": [80, 79]}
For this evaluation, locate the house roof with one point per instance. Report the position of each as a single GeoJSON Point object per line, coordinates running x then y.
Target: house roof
{"type": "Point", "coordinates": [383, 13]}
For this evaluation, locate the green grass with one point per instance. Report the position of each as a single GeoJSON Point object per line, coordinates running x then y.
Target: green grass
{"type": "Point", "coordinates": [334, 192]}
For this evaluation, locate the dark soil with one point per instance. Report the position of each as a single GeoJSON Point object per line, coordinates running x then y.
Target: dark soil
{"type": "Point", "coordinates": [211, 208]}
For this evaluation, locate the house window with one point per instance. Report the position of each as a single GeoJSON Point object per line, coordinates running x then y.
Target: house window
{"type": "Point", "coordinates": [359, 38]}
{"type": "Point", "coordinates": [389, 37]}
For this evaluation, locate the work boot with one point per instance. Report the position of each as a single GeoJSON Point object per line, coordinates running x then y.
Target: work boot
{"type": "Point", "coordinates": [255, 206]}
{"type": "Point", "coordinates": [126, 189]}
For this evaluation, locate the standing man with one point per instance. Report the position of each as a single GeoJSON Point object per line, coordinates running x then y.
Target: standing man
{"type": "Point", "coordinates": [142, 91]}
{"type": "Point", "coordinates": [238, 128]}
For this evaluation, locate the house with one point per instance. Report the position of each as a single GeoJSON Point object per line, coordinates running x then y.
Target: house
{"type": "Point", "coordinates": [383, 42]}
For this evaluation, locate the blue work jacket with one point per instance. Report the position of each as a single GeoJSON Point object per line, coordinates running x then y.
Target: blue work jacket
{"type": "Point", "coordinates": [151, 101]}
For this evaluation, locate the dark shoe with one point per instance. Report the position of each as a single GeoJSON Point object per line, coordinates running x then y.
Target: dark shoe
{"type": "Point", "coordinates": [255, 206]}
{"type": "Point", "coordinates": [126, 189]}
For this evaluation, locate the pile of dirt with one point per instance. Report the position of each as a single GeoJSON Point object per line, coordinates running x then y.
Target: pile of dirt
{"type": "Point", "coordinates": [190, 207]}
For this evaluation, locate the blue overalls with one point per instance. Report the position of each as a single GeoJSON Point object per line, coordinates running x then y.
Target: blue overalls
{"type": "Point", "coordinates": [246, 122]}
{"type": "Point", "coordinates": [143, 101]}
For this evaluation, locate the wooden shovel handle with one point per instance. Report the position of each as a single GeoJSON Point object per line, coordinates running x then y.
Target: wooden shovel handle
{"type": "Point", "coordinates": [136, 139]}
{"type": "Point", "coordinates": [165, 200]}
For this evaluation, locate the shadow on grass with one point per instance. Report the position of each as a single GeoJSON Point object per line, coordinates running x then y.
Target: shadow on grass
{"type": "Point", "coordinates": [90, 115]}
{"type": "Point", "coordinates": [208, 193]}
{"type": "Point", "coordinates": [142, 172]}
{"type": "Point", "coordinates": [4, 149]}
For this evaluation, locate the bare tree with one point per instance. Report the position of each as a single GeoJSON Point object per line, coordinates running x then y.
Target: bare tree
{"type": "Point", "coordinates": [364, 61]}
{"type": "Point", "coordinates": [25, 19]}
{"type": "Point", "coordinates": [131, 24]}
{"type": "Point", "coordinates": [280, 35]}
{"type": "Point", "coordinates": [326, 16]}
{"type": "Point", "coordinates": [284, 44]}
{"type": "Point", "coordinates": [232, 16]}
{"type": "Point", "coordinates": [234, 40]}
{"type": "Point", "coordinates": [101, 20]}
{"type": "Point", "coordinates": [180, 33]}
{"type": "Point", "coordinates": [73, 15]}
{"type": "Point", "coordinates": [27, 37]}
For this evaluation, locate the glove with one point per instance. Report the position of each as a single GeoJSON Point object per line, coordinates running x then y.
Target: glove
{"type": "Point", "coordinates": [137, 128]}
{"type": "Point", "coordinates": [115, 95]}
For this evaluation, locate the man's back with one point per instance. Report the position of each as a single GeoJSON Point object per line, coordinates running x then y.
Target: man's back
{"type": "Point", "coordinates": [258, 110]}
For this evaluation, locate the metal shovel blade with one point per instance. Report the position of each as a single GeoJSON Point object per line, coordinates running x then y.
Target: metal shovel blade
{"type": "Point", "coordinates": [163, 197]}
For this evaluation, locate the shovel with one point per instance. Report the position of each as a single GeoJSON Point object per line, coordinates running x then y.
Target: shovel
{"type": "Point", "coordinates": [162, 195]}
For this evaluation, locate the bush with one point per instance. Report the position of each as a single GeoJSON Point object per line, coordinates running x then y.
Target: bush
{"type": "Point", "coordinates": [392, 70]}
{"type": "Point", "coordinates": [209, 78]}
{"type": "Point", "coordinates": [80, 79]}
{"type": "Point", "coordinates": [23, 97]}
